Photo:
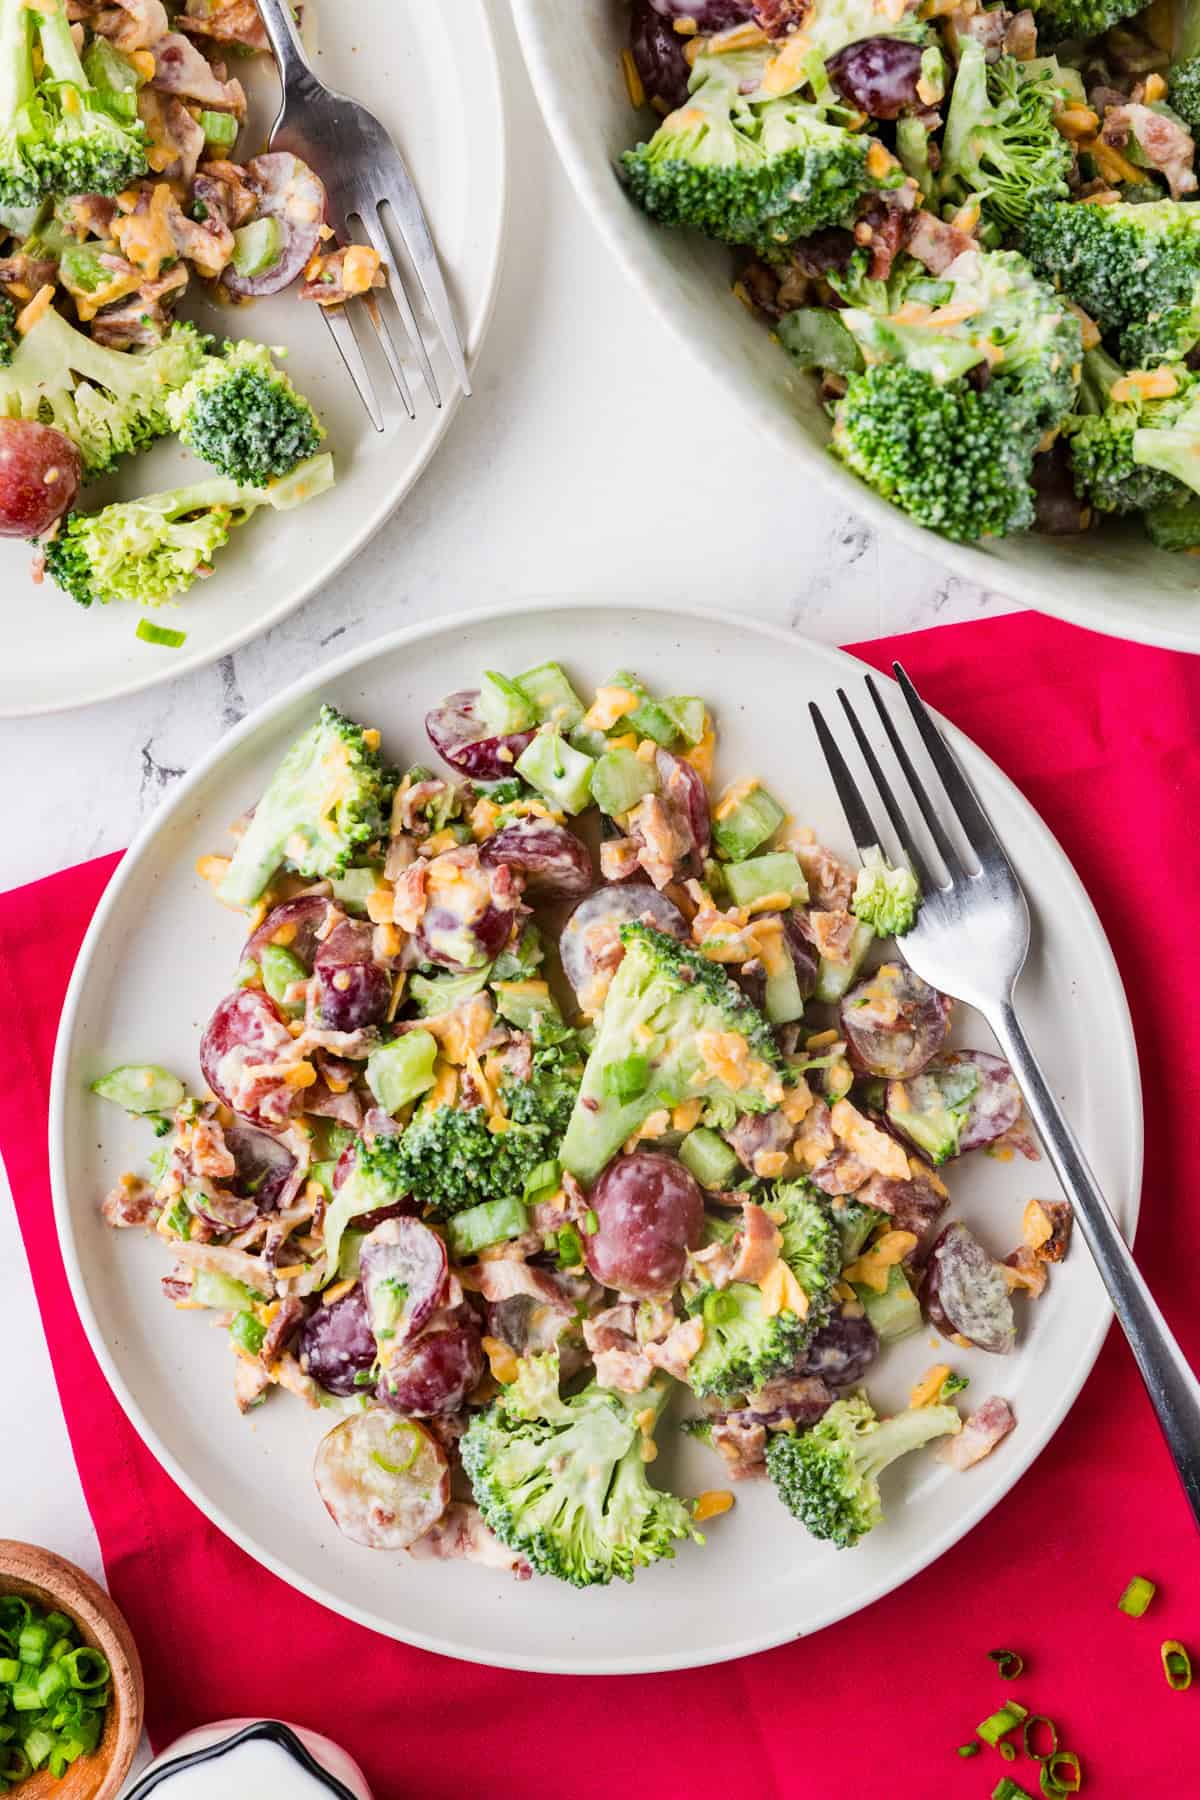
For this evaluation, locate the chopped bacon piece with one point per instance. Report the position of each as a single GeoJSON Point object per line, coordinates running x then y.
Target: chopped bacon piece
{"type": "Point", "coordinates": [1061, 1215]}
{"type": "Point", "coordinates": [987, 1425]}
{"type": "Point", "coordinates": [677, 1349]}
{"type": "Point", "coordinates": [179, 68]}
{"type": "Point", "coordinates": [130, 1203]}
{"type": "Point", "coordinates": [461, 1532]}
{"type": "Point", "coordinates": [226, 22]}
{"type": "Point", "coordinates": [131, 24]}
{"type": "Point", "coordinates": [1166, 144]}
{"type": "Point", "coordinates": [333, 276]}
{"type": "Point", "coordinates": [830, 880]}
{"type": "Point", "coordinates": [143, 319]}
{"type": "Point", "coordinates": [250, 1382]}
{"type": "Point", "coordinates": [841, 1173]}
{"type": "Point", "coordinates": [282, 1329]}
{"type": "Point", "coordinates": [935, 243]}
{"type": "Point", "coordinates": [742, 1445]}
{"type": "Point", "coordinates": [757, 1245]}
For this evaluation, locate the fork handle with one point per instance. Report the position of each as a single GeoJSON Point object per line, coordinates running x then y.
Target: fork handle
{"type": "Point", "coordinates": [1173, 1388]}
{"type": "Point", "coordinates": [286, 47]}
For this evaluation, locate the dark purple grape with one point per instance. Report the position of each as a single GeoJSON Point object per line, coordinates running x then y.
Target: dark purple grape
{"type": "Point", "coordinates": [337, 1344]}
{"type": "Point", "coordinates": [658, 55]}
{"type": "Point", "coordinates": [352, 996]}
{"type": "Point", "coordinates": [650, 1215]}
{"type": "Point", "coordinates": [289, 192]}
{"type": "Point", "coordinates": [590, 947]}
{"type": "Point", "coordinates": [436, 1374]}
{"type": "Point", "coordinates": [460, 737]}
{"type": "Point", "coordinates": [264, 1165]}
{"type": "Point", "coordinates": [469, 910]}
{"type": "Point", "coordinates": [294, 926]}
{"type": "Point", "coordinates": [403, 1270]}
{"type": "Point", "coordinates": [878, 75]}
{"type": "Point", "coordinates": [804, 956]}
{"type": "Point", "coordinates": [349, 942]}
{"type": "Point", "coordinates": [246, 1029]}
{"type": "Point", "coordinates": [555, 863]}
{"type": "Point", "coordinates": [40, 472]}
{"type": "Point", "coordinates": [996, 1103]}
{"type": "Point", "coordinates": [706, 15]}
{"type": "Point", "coordinates": [841, 1352]}
{"type": "Point", "coordinates": [684, 791]}
{"type": "Point", "coordinates": [965, 1295]}
{"type": "Point", "coordinates": [225, 1211]}
{"type": "Point", "coordinates": [914, 1205]}
{"type": "Point", "coordinates": [894, 1023]}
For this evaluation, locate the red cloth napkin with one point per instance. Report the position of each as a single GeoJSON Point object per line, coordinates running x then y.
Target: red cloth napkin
{"type": "Point", "coordinates": [1102, 737]}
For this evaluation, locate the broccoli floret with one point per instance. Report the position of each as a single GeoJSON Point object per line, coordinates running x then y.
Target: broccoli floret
{"type": "Point", "coordinates": [111, 403]}
{"type": "Point", "coordinates": [1174, 527]}
{"type": "Point", "coordinates": [745, 1345]}
{"type": "Point", "coordinates": [1057, 19]}
{"type": "Point", "coordinates": [449, 1158]}
{"type": "Point", "coordinates": [329, 795]}
{"type": "Point", "coordinates": [954, 459]}
{"type": "Point", "coordinates": [1170, 445]}
{"type": "Point", "coordinates": [829, 1476]}
{"type": "Point", "coordinates": [1001, 141]}
{"type": "Point", "coordinates": [885, 898]}
{"type": "Point", "coordinates": [150, 550]}
{"type": "Point", "coordinates": [674, 1027]}
{"type": "Point", "coordinates": [1134, 269]}
{"type": "Point", "coordinates": [95, 143]}
{"type": "Point", "coordinates": [563, 1482]}
{"type": "Point", "coordinates": [1183, 91]}
{"type": "Point", "coordinates": [761, 174]}
{"type": "Point", "coordinates": [1101, 437]}
{"type": "Point", "coordinates": [240, 413]}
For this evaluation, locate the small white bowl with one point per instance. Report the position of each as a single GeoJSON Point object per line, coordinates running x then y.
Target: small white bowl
{"type": "Point", "coordinates": [245, 1756]}
{"type": "Point", "coordinates": [1111, 580]}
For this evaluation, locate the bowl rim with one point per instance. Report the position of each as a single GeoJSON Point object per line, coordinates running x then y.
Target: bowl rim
{"type": "Point", "coordinates": [25, 1566]}
{"type": "Point", "coordinates": [277, 707]}
{"type": "Point", "coordinates": [609, 215]}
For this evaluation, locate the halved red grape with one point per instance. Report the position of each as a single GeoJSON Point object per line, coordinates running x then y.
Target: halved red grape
{"type": "Point", "coordinates": [248, 1030]}
{"type": "Point", "coordinates": [841, 1352]}
{"type": "Point", "coordinates": [337, 1344]}
{"type": "Point", "coordinates": [555, 863]}
{"type": "Point", "coordinates": [461, 738]}
{"type": "Point", "coordinates": [436, 1373]}
{"type": "Point", "coordinates": [965, 1295]}
{"type": "Point", "coordinates": [384, 1480]}
{"type": "Point", "coordinates": [469, 910]}
{"type": "Point", "coordinates": [352, 996]}
{"type": "Point", "coordinates": [264, 1165]}
{"type": "Point", "coordinates": [894, 1023]}
{"type": "Point", "coordinates": [40, 473]}
{"type": "Point", "coordinates": [293, 925]}
{"type": "Point", "coordinates": [294, 195]}
{"type": "Point", "coordinates": [804, 957]}
{"type": "Point", "coordinates": [683, 790]}
{"type": "Point", "coordinates": [650, 1215]}
{"type": "Point", "coordinates": [878, 75]}
{"type": "Point", "coordinates": [658, 55]}
{"type": "Point", "coordinates": [403, 1269]}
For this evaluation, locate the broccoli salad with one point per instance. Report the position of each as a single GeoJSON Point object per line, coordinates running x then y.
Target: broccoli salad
{"type": "Point", "coordinates": [556, 1103]}
{"type": "Point", "coordinates": [977, 226]}
{"type": "Point", "coordinates": [121, 186]}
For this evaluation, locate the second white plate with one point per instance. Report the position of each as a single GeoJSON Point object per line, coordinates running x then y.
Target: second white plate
{"type": "Point", "coordinates": [434, 81]}
{"type": "Point", "coordinates": [161, 953]}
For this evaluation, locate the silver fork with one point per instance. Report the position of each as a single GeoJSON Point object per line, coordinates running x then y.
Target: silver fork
{"type": "Point", "coordinates": [363, 174]}
{"type": "Point", "coordinates": [970, 940]}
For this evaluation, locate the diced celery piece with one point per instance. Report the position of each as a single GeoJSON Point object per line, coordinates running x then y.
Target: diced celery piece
{"type": "Point", "coordinates": [561, 774]}
{"type": "Point", "coordinates": [221, 1292]}
{"type": "Point", "coordinates": [108, 70]}
{"type": "Point", "coordinates": [247, 1333]}
{"type": "Point", "coordinates": [815, 338]}
{"type": "Point", "coordinates": [522, 1003]}
{"type": "Point", "coordinates": [257, 246]}
{"type": "Point", "coordinates": [650, 718]}
{"type": "Point", "coordinates": [591, 743]}
{"type": "Point", "coordinates": [493, 1222]}
{"type": "Point", "coordinates": [399, 1071]}
{"type": "Point", "coordinates": [140, 1088]}
{"type": "Point", "coordinates": [834, 978]}
{"type": "Point", "coordinates": [620, 779]}
{"type": "Point", "coordinates": [896, 1313]}
{"type": "Point", "coordinates": [688, 715]}
{"type": "Point", "coordinates": [709, 1158]}
{"type": "Point", "coordinates": [220, 128]}
{"type": "Point", "coordinates": [783, 1002]}
{"type": "Point", "coordinates": [548, 689]}
{"type": "Point", "coordinates": [353, 889]}
{"type": "Point", "coordinates": [322, 1174]}
{"type": "Point", "coordinates": [747, 825]}
{"type": "Point", "coordinates": [280, 971]}
{"type": "Point", "coordinates": [503, 707]}
{"type": "Point", "coordinates": [439, 993]}
{"type": "Point", "coordinates": [776, 873]}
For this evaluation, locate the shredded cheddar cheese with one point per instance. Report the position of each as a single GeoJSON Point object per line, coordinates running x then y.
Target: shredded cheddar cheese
{"type": "Point", "coordinates": [781, 1292]}
{"type": "Point", "coordinates": [711, 1504]}
{"type": "Point", "coordinates": [871, 1268]}
{"type": "Point", "coordinates": [501, 1360]}
{"type": "Point", "coordinates": [873, 1146]}
{"type": "Point", "coordinates": [930, 1385]}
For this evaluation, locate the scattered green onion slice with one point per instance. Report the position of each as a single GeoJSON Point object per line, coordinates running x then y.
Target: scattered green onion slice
{"type": "Point", "coordinates": [1177, 1665]}
{"type": "Point", "coordinates": [569, 1245]}
{"type": "Point", "coordinates": [1137, 1597]}
{"type": "Point", "coordinates": [1008, 1751]}
{"type": "Point", "coordinates": [1009, 1663]}
{"type": "Point", "coordinates": [1061, 1774]}
{"type": "Point", "coordinates": [160, 634]}
{"type": "Point", "coordinates": [1006, 1789]}
{"type": "Point", "coordinates": [967, 1750]}
{"type": "Point", "coordinates": [1027, 1732]}
{"type": "Point", "coordinates": [1000, 1723]}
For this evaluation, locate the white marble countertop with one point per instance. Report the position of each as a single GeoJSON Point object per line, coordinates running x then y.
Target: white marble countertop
{"type": "Point", "coordinates": [535, 493]}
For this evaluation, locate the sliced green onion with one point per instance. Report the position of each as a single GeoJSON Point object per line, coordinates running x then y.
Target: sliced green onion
{"type": "Point", "coordinates": [1009, 1663]}
{"type": "Point", "coordinates": [33, 1644]}
{"type": "Point", "coordinates": [591, 1221]}
{"type": "Point", "coordinates": [160, 634]}
{"type": "Point", "coordinates": [719, 1308]}
{"type": "Point", "coordinates": [1027, 1733]}
{"type": "Point", "coordinates": [1000, 1723]}
{"type": "Point", "coordinates": [967, 1750]}
{"type": "Point", "coordinates": [247, 1333]}
{"type": "Point", "coordinates": [569, 1245]}
{"type": "Point", "coordinates": [1137, 1597]}
{"type": "Point", "coordinates": [1008, 1751]}
{"type": "Point", "coordinates": [1006, 1789]}
{"type": "Point", "coordinates": [87, 1668]}
{"type": "Point", "coordinates": [10, 1669]}
{"type": "Point", "coordinates": [1177, 1665]}
{"type": "Point", "coordinates": [1061, 1774]}
{"type": "Point", "coordinates": [627, 1079]}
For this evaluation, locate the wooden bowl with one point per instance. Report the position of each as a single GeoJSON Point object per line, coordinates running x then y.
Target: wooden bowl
{"type": "Point", "coordinates": [51, 1581]}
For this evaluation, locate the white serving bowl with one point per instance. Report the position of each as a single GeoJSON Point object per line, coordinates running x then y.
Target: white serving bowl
{"type": "Point", "coordinates": [1112, 581]}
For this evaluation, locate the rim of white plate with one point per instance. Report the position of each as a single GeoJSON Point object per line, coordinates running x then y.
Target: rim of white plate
{"type": "Point", "coordinates": [961, 559]}
{"type": "Point", "coordinates": [475, 330]}
{"type": "Point", "coordinates": [143, 846]}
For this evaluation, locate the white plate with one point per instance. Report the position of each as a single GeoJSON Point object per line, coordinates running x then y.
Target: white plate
{"type": "Point", "coordinates": [430, 73]}
{"type": "Point", "coordinates": [1112, 581]}
{"type": "Point", "coordinates": [159, 955]}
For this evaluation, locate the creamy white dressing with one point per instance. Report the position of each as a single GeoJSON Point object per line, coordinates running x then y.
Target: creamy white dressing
{"type": "Point", "coordinates": [256, 1767]}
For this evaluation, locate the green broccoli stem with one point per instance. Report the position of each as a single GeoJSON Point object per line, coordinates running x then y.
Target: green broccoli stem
{"type": "Point", "coordinates": [906, 1431]}
{"type": "Point", "coordinates": [16, 61]}
{"type": "Point", "coordinates": [1100, 371]}
{"type": "Point", "coordinates": [969, 103]}
{"type": "Point", "coordinates": [58, 48]}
